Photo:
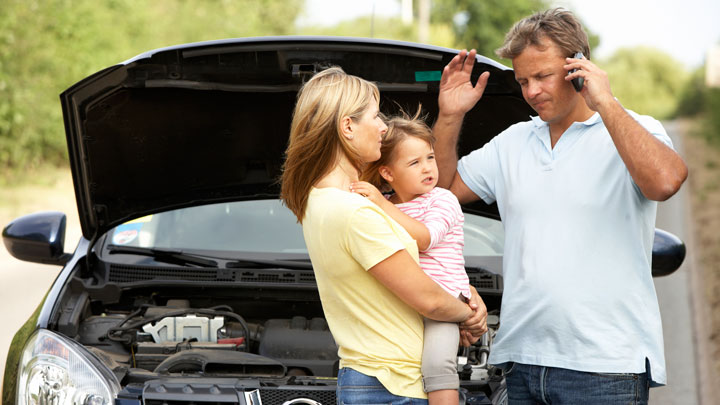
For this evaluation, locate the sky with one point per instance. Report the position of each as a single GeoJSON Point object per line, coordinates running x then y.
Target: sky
{"type": "Point", "coordinates": [684, 29]}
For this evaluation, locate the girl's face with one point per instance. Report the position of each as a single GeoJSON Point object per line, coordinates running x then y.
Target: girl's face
{"type": "Point", "coordinates": [367, 132]}
{"type": "Point", "coordinates": [413, 171]}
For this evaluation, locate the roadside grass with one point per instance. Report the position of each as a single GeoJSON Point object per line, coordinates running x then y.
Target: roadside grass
{"type": "Point", "coordinates": [703, 160]}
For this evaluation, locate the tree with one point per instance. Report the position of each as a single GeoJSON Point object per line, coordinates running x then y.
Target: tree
{"type": "Point", "coordinates": [646, 80]}
{"type": "Point", "coordinates": [386, 28]}
{"type": "Point", "coordinates": [483, 24]}
{"type": "Point", "coordinates": [47, 45]}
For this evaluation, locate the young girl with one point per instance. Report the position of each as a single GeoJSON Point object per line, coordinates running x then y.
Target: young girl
{"type": "Point", "coordinates": [433, 217]}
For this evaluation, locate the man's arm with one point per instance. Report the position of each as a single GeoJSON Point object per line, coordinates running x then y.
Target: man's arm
{"type": "Point", "coordinates": [656, 169]}
{"type": "Point", "coordinates": [457, 96]}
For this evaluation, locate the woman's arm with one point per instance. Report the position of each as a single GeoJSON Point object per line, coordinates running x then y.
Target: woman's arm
{"type": "Point", "coordinates": [415, 228]}
{"type": "Point", "coordinates": [403, 276]}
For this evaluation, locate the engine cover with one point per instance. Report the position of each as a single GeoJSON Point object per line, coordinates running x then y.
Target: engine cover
{"type": "Point", "coordinates": [179, 329]}
{"type": "Point", "coordinates": [305, 347]}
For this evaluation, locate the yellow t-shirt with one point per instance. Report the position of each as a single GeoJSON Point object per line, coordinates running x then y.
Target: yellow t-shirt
{"type": "Point", "coordinates": [377, 334]}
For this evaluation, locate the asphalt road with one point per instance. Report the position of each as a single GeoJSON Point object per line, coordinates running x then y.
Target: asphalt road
{"type": "Point", "coordinates": [673, 293]}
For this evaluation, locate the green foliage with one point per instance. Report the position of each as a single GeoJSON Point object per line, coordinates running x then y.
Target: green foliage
{"type": "Point", "coordinates": [646, 80]}
{"type": "Point", "coordinates": [692, 97]}
{"type": "Point", "coordinates": [711, 116]}
{"type": "Point", "coordinates": [698, 100]}
{"type": "Point", "coordinates": [47, 45]}
{"type": "Point", "coordinates": [483, 24]}
{"type": "Point", "coordinates": [386, 28]}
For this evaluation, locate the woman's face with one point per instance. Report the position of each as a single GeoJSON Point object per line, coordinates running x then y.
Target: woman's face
{"type": "Point", "coordinates": [367, 132]}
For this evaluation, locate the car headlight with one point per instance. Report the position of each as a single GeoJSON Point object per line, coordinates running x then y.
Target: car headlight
{"type": "Point", "coordinates": [55, 370]}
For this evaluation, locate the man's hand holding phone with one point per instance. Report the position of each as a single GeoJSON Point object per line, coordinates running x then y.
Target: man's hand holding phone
{"type": "Point", "coordinates": [592, 81]}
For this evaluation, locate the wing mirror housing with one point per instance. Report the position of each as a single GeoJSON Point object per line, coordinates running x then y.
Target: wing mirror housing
{"type": "Point", "coordinates": [38, 238]}
{"type": "Point", "coordinates": [668, 253]}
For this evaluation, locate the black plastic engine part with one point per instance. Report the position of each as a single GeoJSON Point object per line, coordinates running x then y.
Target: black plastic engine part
{"type": "Point", "coordinates": [301, 344]}
{"type": "Point", "coordinates": [221, 363]}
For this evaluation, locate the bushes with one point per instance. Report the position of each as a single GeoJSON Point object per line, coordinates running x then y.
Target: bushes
{"type": "Point", "coordinates": [698, 100]}
{"type": "Point", "coordinates": [47, 45]}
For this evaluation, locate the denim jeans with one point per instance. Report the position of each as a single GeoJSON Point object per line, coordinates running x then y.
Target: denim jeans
{"type": "Point", "coordinates": [528, 384]}
{"type": "Point", "coordinates": [357, 388]}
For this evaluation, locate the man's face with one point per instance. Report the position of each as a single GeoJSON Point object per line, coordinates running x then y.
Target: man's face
{"type": "Point", "coordinates": [541, 75]}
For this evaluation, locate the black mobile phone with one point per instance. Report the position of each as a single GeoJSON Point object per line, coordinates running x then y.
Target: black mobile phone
{"type": "Point", "coordinates": [578, 81]}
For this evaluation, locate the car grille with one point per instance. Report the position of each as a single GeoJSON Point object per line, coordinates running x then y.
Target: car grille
{"type": "Point", "coordinates": [119, 273]}
{"type": "Point", "coordinates": [128, 274]}
{"type": "Point", "coordinates": [224, 393]}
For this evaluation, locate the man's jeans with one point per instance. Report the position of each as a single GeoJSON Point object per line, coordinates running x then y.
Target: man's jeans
{"type": "Point", "coordinates": [527, 384]}
{"type": "Point", "coordinates": [357, 388]}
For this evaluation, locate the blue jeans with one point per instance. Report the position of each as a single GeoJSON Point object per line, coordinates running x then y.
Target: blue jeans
{"type": "Point", "coordinates": [528, 384]}
{"type": "Point", "coordinates": [354, 387]}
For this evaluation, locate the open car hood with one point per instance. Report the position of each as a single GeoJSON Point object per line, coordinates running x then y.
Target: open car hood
{"type": "Point", "coordinates": [209, 122]}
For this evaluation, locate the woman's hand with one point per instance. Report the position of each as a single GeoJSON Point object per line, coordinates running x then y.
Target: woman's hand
{"type": "Point", "coordinates": [366, 189]}
{"type": "Point", "coordinates": [474, 327]}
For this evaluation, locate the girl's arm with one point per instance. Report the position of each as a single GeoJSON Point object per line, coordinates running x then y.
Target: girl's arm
{"type": "Point", "coordinates": [415, 228]}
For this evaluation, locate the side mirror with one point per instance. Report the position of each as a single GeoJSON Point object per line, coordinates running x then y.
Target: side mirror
{"type": "Point", "coordinates": [38, 238]}
{"type": "Point", "coordinates": [668, 253]}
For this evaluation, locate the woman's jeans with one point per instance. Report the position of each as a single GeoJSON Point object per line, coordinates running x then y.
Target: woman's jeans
{"type": "Point", "coordinates": [527, 384]}
{"type": "Point", "coordinates": [357, 388]}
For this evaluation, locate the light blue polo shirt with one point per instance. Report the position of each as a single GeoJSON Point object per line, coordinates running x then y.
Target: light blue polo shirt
{"type": "Point", "coordinates": [578, 245]}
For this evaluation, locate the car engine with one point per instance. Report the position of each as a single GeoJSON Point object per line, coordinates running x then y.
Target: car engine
{"type": "Point", "coordinates": [167, 339]}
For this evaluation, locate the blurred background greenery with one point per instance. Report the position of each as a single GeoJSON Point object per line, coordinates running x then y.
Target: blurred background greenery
{"type": "Point", "coordinates": [47, 45]}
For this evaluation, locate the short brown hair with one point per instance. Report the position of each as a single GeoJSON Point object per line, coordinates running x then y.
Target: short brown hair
{"type": "Point", "coordinates": [558, 25]}
{"type": "Point", "coordinates": [315, 136]}
{"type": "Point", "coordinates": [399, 128]}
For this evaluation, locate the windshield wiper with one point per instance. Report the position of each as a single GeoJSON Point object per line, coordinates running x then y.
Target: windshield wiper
{"type": "Point", "coordinates": [164, 255]}
{"type": "Point", "coordinates": [269, 264]}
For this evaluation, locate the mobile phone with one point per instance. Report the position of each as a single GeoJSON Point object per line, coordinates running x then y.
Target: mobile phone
{"type": "Point", "coordinates": [578, 81]}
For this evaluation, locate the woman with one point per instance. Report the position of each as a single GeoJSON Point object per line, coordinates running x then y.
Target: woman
{"type": "Point", "coordinates": [372, 289]}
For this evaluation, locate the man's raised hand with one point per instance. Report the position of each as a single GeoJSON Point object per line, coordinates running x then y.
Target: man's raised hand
{"type": "Point", "coordinates": [457, 95]}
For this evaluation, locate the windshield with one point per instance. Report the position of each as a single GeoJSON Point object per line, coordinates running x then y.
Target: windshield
{"type": "Point", "coordinates": [260, 226]}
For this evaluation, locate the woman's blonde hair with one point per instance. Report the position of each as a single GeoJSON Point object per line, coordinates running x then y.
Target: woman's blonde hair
{"type": "Point", "coordinates": [315, 132]}
{"type": "Point", "coordinates": [399, 128]}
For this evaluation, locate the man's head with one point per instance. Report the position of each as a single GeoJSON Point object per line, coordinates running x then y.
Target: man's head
{"type": "Point", "coordinates": [558, 25]}
{"type": "Point", "coordinates": [538, 46]}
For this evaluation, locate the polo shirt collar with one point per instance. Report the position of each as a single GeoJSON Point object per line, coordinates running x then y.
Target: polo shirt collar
{"type": "Point", "coordinates": [594, 119]}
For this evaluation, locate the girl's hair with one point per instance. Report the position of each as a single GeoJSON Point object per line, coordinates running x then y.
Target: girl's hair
{"type": "Point", "coordinates": [315, 132]}
{"type": "Point", "coordinates": [399, 128]}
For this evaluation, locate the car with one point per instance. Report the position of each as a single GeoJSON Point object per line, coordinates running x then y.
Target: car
{"type": "Point", "coordinates": [191, 282]}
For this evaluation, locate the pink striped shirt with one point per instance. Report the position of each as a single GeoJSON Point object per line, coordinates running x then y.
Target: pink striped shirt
{"type": "Point", "coordinates": [443, 260]}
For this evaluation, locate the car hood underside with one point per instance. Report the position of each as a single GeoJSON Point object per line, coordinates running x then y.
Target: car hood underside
{"type": "Point", "coordinates": [209, 122]}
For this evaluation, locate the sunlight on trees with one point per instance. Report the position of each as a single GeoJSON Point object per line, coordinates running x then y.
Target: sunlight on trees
{"type": "Point", "coordinates": [47, 45]}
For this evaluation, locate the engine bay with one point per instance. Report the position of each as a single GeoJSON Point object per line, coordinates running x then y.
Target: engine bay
{"type": "Point", "coordinates": [266, 334]}
{"type": "Point", "coordinates": [177, 339]}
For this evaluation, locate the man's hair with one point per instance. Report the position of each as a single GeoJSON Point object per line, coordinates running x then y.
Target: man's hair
{"type": "Point", "coordinates": [400, 128]}
{"type": "Point", "coordinates": [558, 25]}
{"type": "Point", "coordinates": [315, 132]}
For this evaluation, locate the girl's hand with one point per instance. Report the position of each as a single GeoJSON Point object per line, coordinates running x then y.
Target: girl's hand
{"type": "Point", "coordinates": [368, 190]}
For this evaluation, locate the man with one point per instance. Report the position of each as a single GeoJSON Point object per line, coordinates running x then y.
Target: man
{"type": "Point", "coordinates": [576, 188]}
